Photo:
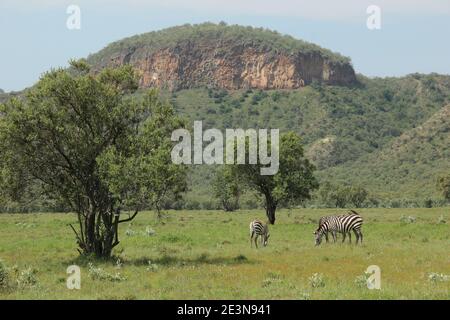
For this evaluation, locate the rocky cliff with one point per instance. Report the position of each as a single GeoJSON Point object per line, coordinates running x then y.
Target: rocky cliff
{"type": "Point", "coordinates": [226, 57]}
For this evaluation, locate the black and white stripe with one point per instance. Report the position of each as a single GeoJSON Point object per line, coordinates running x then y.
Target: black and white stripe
{"type": "Point", "coordinates": [340, 223]}
{"type": "Point", "coordinates": [259, 229]}
{"type": "Point", "coordinates": [321, 221]}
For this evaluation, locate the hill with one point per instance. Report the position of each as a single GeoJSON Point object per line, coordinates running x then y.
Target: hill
{"type": "Point", "coordinates": [221, 56]}
{"type": "Point", "coordinates": [407, 167]}
{"type": "Point", "coordinates": [348, 131]}
{"type": "Point", "coordinates": [389, 135]}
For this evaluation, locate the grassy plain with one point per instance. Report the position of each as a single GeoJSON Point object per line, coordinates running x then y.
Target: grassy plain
{"type": "Point", "coordinates": [207, 255]}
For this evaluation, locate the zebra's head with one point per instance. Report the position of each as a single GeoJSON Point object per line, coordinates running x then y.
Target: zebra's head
{"type": "Point", "coordinates": [266, 239]}
{"type": "Point", "coordinates": [318, 236]}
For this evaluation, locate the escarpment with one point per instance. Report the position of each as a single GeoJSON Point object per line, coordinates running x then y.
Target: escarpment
{"type": "Point", "coordinates": [214, 56]}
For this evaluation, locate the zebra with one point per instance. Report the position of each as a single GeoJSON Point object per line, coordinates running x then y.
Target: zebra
{"type": "Point", "coordinates": [333, 232]}
{"type": "Point", "coordinates": [344, 224]}
{"type": "Point", "coordinates": [321, 221]}
{"type": "Point", "coordinates": [258, 228]}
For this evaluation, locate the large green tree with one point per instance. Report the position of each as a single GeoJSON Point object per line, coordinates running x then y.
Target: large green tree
{"type": "Point", "coordinates": [291, 185]}
{"type": "Point", "coordinates": [92, 145]}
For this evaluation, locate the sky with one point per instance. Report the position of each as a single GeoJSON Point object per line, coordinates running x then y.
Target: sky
{"type": "Point", "coordinates": [413, 36]}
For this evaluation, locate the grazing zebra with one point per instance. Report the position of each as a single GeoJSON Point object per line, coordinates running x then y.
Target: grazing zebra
{"type": "Point", "coordinates": [344, 224]}
{"type": "Point", "coordinates": [258, 228]}
{"type": "Point", "coordinates": [321, 221]}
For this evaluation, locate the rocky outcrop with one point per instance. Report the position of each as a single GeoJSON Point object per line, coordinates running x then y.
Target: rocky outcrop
{"type": "Point", "coordinates": [225, 65]}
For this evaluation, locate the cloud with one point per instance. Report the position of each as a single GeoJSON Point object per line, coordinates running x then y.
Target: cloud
{"type": "Point", "coordinates": [317, 9]}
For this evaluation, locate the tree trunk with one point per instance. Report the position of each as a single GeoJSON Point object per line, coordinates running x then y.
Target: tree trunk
{"type": "Point", "coordinates": [271, 207]}
{"type": "Point", "coordinates": [99, 232]}
{"type": "Point", "coordinates": [99, 236]}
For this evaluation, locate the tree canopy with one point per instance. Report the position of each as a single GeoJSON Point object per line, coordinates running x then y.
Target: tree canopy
{"type": "Point", "coordinates": [291, 185]}
{"type": "Point", "coordinates": [91, 145]}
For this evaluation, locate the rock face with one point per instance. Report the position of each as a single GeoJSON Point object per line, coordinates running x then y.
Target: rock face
{"type": "Point", "coordinates": [223, 64]}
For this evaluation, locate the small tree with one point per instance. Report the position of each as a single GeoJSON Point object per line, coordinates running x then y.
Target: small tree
{"type": "Point", "coordinates": [334, 195]}
{"type": "Point", "coordinates": [357, 196]}
{"type": "Point", "coordinates": [340, 196]}
{"type": "Point", "coordinates": [92, 146]}
{"type": "Point", "coordinates": [226, 188]}
{"type": "Point", "coordinates": [291, 185]}
{"type": "Point", "coordinates": [443, 184]}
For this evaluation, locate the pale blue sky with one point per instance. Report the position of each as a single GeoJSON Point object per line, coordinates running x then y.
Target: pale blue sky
{"type": "Point", "coordinates": [414, 36]}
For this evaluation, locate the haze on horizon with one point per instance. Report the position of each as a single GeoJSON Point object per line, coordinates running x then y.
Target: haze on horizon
{"type": "Point", "coordinates": [412, 37]}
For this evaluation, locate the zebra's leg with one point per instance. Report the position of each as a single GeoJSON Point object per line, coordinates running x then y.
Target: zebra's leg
{"type": "Point", "coordinates": [326, 236]}
{"type": "Point", "coordinates": [356, 235]}
{"type": "Point", "coordinates": [343, 236]}
{"type": "Point", "coordinates": [360, 236]}
{"type": "Point", "coordinates": [251, 239]}
{"type": "Point", "coordinates": [349, 237]}
{"type": "Point", "coordinates": [256, 241]}
{"type": "Point", "coordinates": [333, 233]}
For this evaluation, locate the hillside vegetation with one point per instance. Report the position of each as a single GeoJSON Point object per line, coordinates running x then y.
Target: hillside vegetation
{"type": "Point", "coordinates": [238, 35]}
{"type": "Point", "coordinates": [389, 135]}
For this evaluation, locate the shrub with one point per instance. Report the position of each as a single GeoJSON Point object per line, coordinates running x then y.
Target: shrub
{"type": "Point", "coordinates": [152, 266]}
{"type": "Point", "coordinates": [361, 281]}
{"type": "Point", "coordinates": [99, 274]}
{"type": "Point", "coordinates": [316, 280]}
{"type": "Point", "coordinates": [304, 296]}
{"type": "Point", "coordinates": [438, 277]}
{"type": "Point", "coordinates": [407, 219]}
{"type": "Point", "coordinates": [240, 258]}
{"type": "Point", "coordinates": [27, 278]}
{"type": "Point", "coordinates": [149, 231]}
{"type": "Point", "coordinates": [5, 280]}
{"type": "Point", "coordinates": [441, 219]}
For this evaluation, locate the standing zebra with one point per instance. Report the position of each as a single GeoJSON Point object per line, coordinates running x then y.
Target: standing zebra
{"type": "Point", "coordinates": [258, 228]}
{"type": "Point", "coordinates": [343, 224]}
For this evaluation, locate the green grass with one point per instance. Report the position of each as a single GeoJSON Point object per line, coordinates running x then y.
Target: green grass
{"type": "Point", "coordinates": [207, 255]}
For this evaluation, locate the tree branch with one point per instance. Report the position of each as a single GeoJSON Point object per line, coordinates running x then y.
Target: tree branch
{"type": "Point", "coordinates": [130, 218]}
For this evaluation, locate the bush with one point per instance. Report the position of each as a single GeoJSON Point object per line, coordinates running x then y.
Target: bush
{"type": "Point", "coordinates": [438, 277]}
{"type": "Point", "coordinates": [428, 203]}
{"type": "Point", "coordinates": [5, 280]}
{"type": "Point", "coordinates": [407, 219]}
{"type": "Point", "coordinates": [361, 281]}
{"type": "Point", "coordinates": [27, 278]}
{"type": "Point", "coordinates": [152, 266]}
{"type": "Point", "coordinates": [192, 205]}
{"type": "Point", "coordinates": [99, 274]}
{"type": "Point", "coordinates": [316, 280]}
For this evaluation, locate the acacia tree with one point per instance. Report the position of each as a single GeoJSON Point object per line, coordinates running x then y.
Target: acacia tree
{"type": "Point", "coordinates": [93, 146]}
{"type": "Point", "coordinates": [291, 185]}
